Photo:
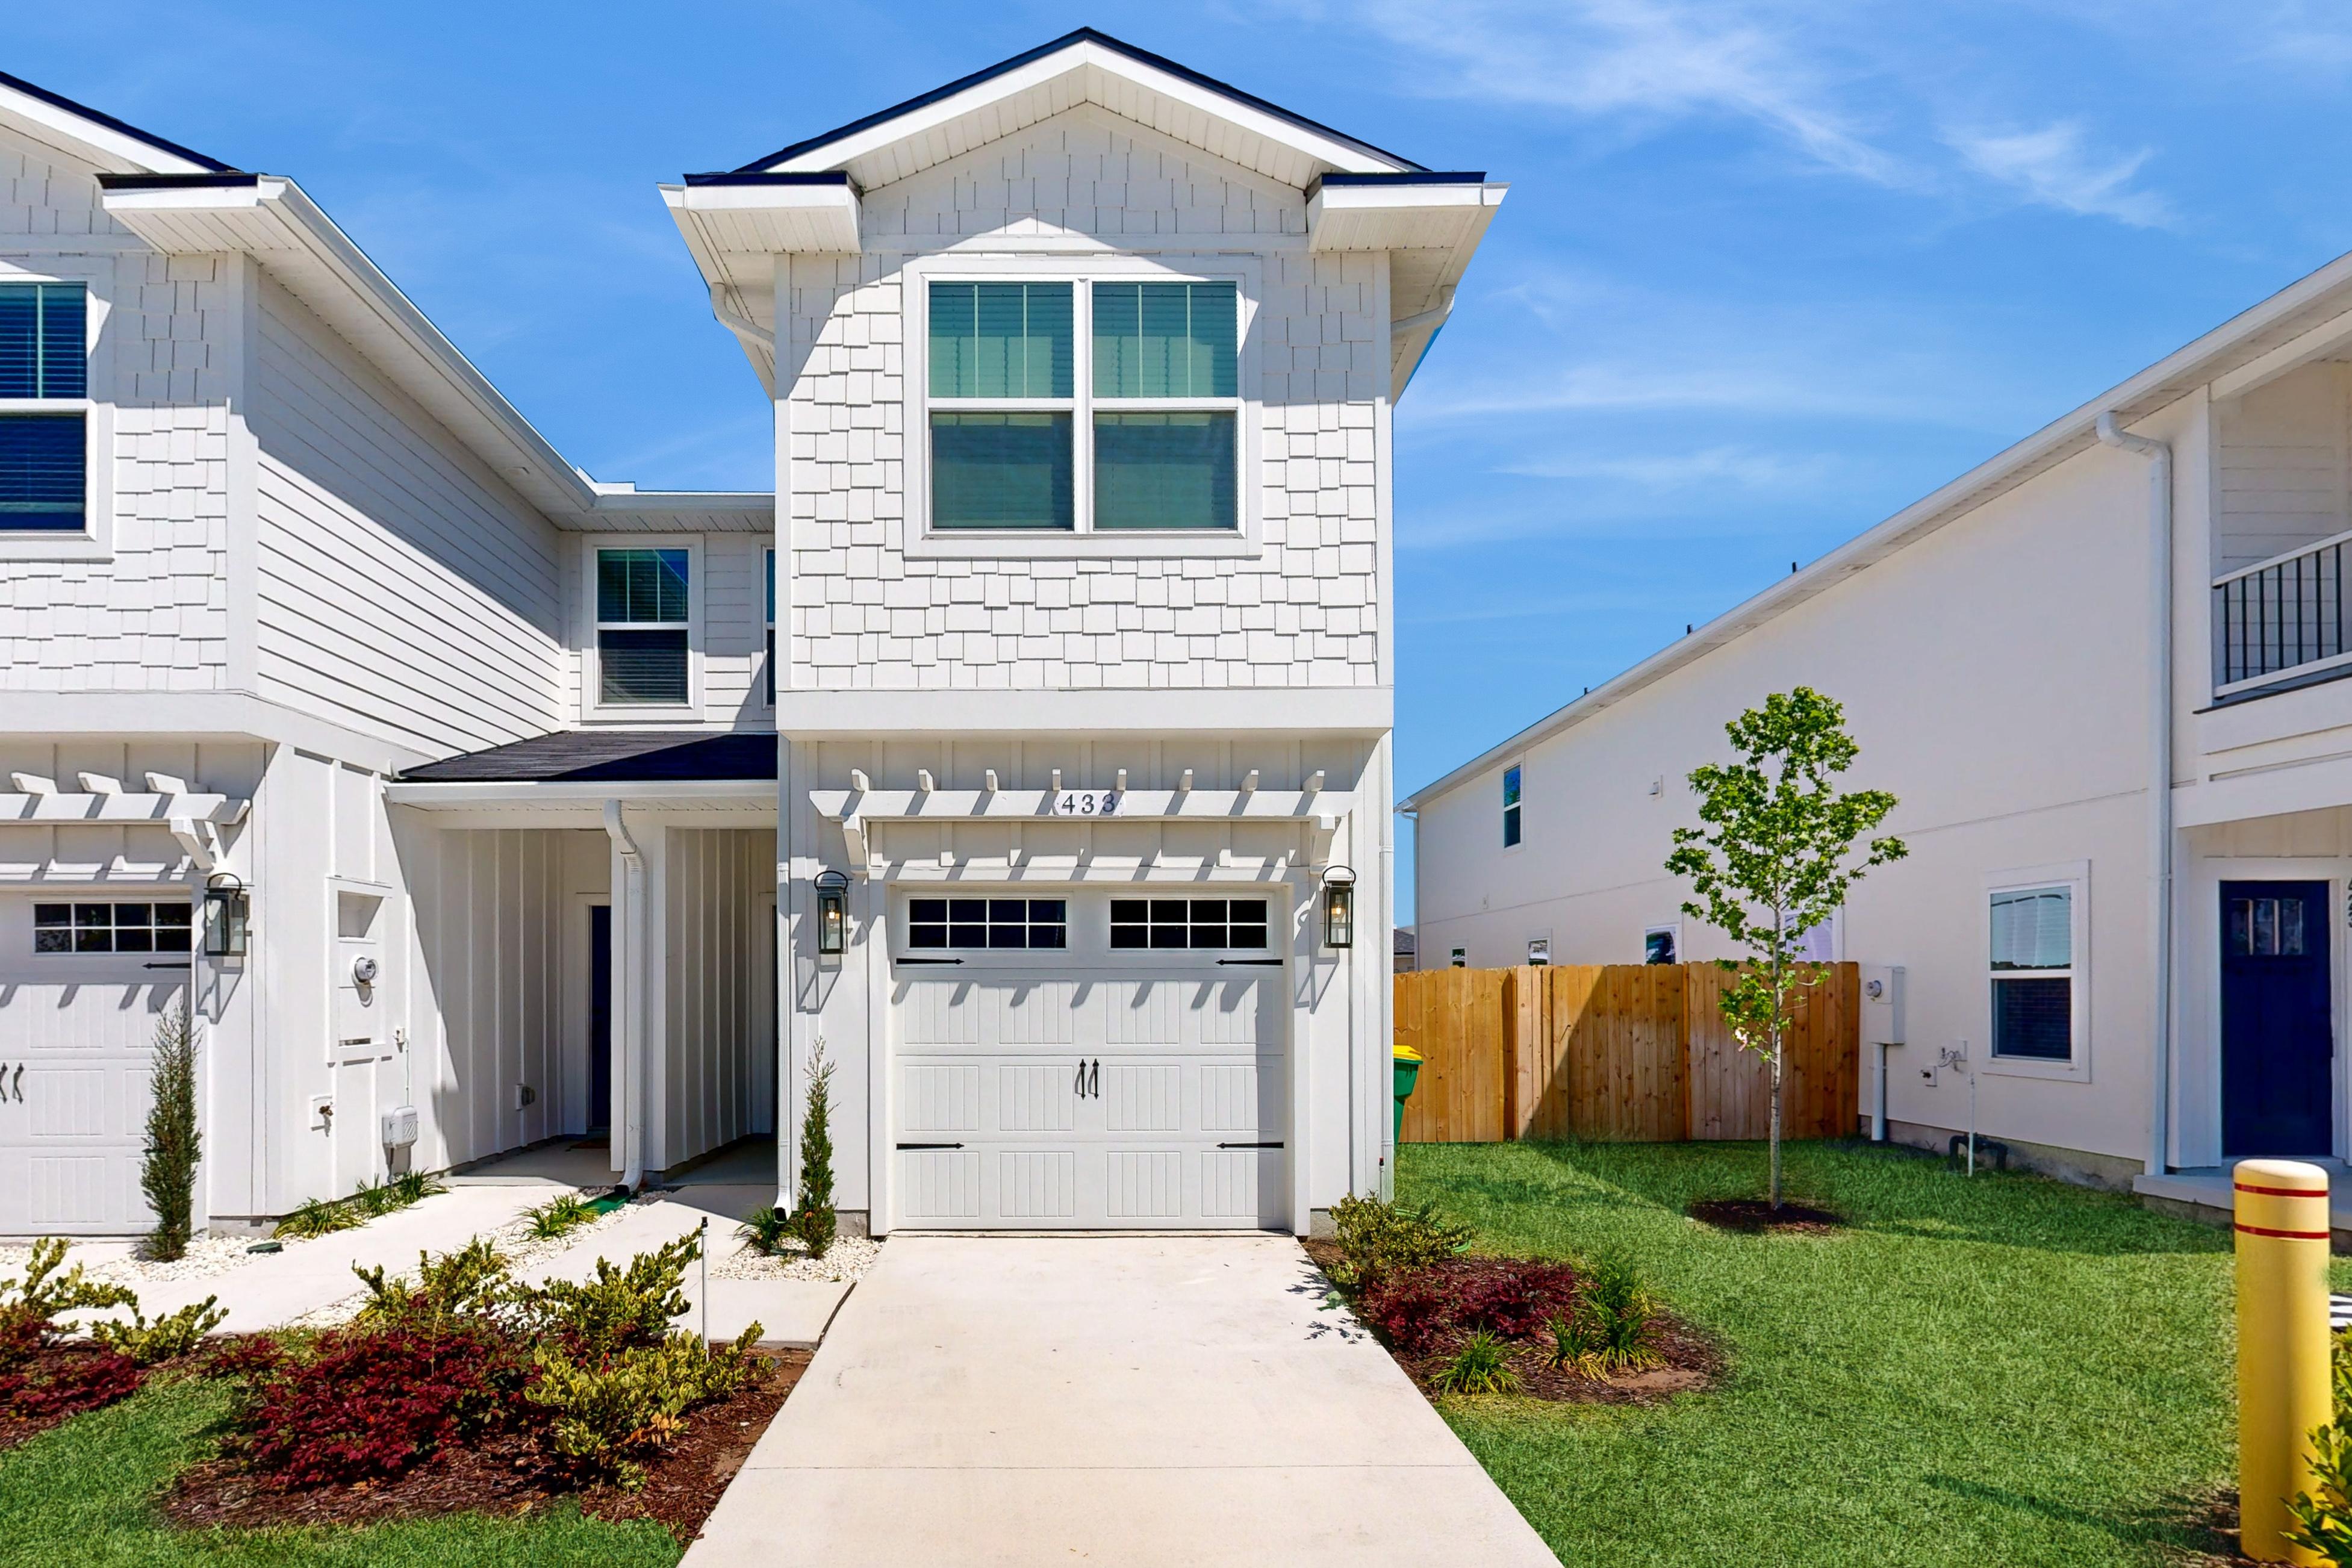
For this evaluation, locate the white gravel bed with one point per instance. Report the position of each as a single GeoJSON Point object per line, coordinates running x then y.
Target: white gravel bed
{"type": "Point", "coordinates": [521, 1248]}
{"type": "Point", "coordinates": [848, 1259]}
{"type": "Point", "coordinates": [207, 1256]}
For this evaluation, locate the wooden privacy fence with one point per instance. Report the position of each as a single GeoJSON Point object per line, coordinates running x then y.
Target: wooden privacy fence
{"type": "Point", "coordinates": [1631, 1053]}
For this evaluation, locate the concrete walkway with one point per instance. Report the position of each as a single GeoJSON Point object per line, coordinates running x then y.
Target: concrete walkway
{"type": "Point", "coordinates": [1177, 1400]}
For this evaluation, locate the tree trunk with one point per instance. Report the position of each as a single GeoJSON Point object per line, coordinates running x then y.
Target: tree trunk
{"type": "Point", "coordinates": [1776, 1114]}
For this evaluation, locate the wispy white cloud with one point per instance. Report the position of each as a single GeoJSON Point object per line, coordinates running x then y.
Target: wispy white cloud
{"type": "Point", "coordinates": [1656, 60]}
{"type": "Point", "coordinates": [2056, 166]}
{"type": "Point", "coordinates": [1728, 466]}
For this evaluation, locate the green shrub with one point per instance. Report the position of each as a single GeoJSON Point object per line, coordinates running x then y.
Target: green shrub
{"type": "Point", "coordinates": [814, 1220]}
{"type": "Point", "coordinates": [767, 1228]}
{"type": "Point", "coordinates": [167, 1165]}
{"type": "Point", "coordinates": [2323, 1523]}
{"type": "Point", "coordinates": [30, 1306]}
{"type": "Point", "coordinates": [611, 1413]}
{"type": "Point", "coordinates": [469, 1282]}
{"type": "Point", "coordinates": [316, 1217]}
{"type": "Point", "coordinates": [172, 1334]}
{"type": "Point", "coordinates": [1481, 1366]}
{"type": "Point", "coordinates": [1611, 1326]}
{"type": "Point", "coordinates": [620, 1309]}
{"type": "Point", "coordinates": [372, 1200]}
{"type": "Point", "coordinates": [415, 1186]}
{"type": "Point", "coordinates": [1378, 1238]}
{"type": "Point", "coordinates": [559, 1215]}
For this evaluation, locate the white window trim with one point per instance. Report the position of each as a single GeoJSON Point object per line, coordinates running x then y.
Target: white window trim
{"type": "Point", "coordinates": [1082, 542]}
{"type": "Point", "coordinates": [2074, 876]}
{"type": "Point", "coordinates": [592, 676]}
{"type": "Point", "coordinates": [96, 539]}
{"type": "Point", "coordinates": [1670, 928]}
{"type": "Point", "coordinates": [1502, 812]}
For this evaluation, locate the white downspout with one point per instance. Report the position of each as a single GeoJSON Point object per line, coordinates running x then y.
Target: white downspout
{"type": "Point", "coordinates": [2159, 816]}
{"type": "Point", "coordinates": [628, 1002]}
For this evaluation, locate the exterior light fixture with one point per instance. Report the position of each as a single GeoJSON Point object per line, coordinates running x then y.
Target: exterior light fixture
{"type": "Point", "coordinates": [832, 911]}
{"type": "Point", "coordinates": [1338, 906]}
{"type": "Point", "coordinates": [228, 910]}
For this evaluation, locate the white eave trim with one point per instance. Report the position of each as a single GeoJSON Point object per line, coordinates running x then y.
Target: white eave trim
{"type": "Point", "coordinates": [1082, 54]}
{"type": "Point", "coordinates": [455, 797]}
{"type": "Point", "coordinates": [117, 150]}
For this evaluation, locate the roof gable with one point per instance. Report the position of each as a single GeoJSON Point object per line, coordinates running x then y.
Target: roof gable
{"type": "Point", "coordinates": [111, 144]}
{"type": "Point", "coordinates": [1083, 66]}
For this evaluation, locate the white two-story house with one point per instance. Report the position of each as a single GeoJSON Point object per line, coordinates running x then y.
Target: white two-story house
{"type": "Point", "coordinates": [1025, 754]}
{"type": "Point", "coordinates": [2103, 672]}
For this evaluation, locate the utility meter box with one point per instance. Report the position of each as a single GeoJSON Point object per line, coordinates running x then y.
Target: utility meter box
{"type": "Point", "coordinates": [1882, 1004]}
{"type": "Point", "coordinates": [400, 1127]}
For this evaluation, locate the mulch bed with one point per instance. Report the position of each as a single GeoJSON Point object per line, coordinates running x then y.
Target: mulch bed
{"type": "Point", "coordinates": [1754, 1216]}
{"type": "Point", "coordinates": [1690, 1361]}
{"type": "Point", "coordinates": [503, 1475]}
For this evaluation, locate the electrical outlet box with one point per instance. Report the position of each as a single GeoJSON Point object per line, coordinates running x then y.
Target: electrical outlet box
{"type": "Point", "coordinates": [1882, 1004]}
{"type": "Point", "coordinates": [400, 1127]}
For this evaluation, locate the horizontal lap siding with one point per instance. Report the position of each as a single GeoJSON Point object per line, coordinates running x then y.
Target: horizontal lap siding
{"type": "Point", "coordinates": [401, 590]}
{"type": "Point", "coordinates": [1633, 1052]}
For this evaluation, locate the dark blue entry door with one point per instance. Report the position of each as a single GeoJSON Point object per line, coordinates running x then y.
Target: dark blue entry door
{"type": "Point", "coordinates": [599, 1016]}
{"type": "Point", "coordinates": [2278, 1038]}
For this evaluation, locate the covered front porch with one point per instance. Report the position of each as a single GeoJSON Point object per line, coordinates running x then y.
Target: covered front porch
{"type": "Point", "coordinates": [596, 918]}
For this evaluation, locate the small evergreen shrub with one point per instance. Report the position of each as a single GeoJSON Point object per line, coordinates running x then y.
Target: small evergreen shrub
{"type": "Point", "coordinates": [2324, 1522]}
{"type": "Point", "coordinates": [70, 1385]}
{"type": "Point", "coordinates": [316, 1217]}
{"type": "Point", "coordinates": [369, 1403]}
{"type": "Point", "coordinates": [415, 1186]}
{"type": "Point", "coordinates": [814, 1220]}
{"type": "Point", "coordinates": [614, 1411]}
{"type": "Point", "coordinates": [620, 1309]}
{"type": "Point", "coordinates": [1510, 1297]}
{"type": "Point", "coordinates": [559, 1215]}
{"type": "Point", "coordinates": [167, 1166]}
{"type": "Point", "coordinates": [1481, 1366]}
{"type": "Point", "coordinates": [172, 1334]}
{"type": "Point", "coordinates": [1377, 1239]}
{"type": "Point", "coordinates": [30, 1306]}
{"type": "Point", "coordinates": [1610, 1327]}
{"type": "Point", "coordinates": [470, 1281]}
{"type": "Point", "coordinates": [372, 1200]}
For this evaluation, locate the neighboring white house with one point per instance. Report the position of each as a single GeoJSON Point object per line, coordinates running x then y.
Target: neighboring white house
{"type": "Point", "coordinates": [2103, 677]}
{"type": "Point", "coordinates": [1026, 751]}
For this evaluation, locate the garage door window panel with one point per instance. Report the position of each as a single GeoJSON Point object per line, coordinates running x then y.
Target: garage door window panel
{"type": "Point", "coordinates": [86, 928]}
{"type": "Point", "coordinates": [1189, 924]}
{"type": "Point", "coordinates": [976, 925]}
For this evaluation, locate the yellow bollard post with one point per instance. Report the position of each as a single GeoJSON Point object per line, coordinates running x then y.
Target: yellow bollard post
{"type": "Point", "coordinates": [2283, 1348]}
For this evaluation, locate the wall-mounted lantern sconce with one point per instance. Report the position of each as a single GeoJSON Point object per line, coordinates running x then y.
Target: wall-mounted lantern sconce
{"type": "Point", "coordinates": [1338, 906]}
{"type": "Point", "coordinates": [228, 910]}
{"type": "Point", "coordinates": [832, 911]}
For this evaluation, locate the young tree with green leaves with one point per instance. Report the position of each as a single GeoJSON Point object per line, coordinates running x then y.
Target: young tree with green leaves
{"type": "Point", "coordinates": [167, 1170]}
{"type": "Point", "coordinates": [1775, 857]}
{"type": "Point", "coordinates": [814, 1220]}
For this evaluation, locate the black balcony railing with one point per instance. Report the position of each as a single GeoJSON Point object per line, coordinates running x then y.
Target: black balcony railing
{"type": "Point", "coordinates": [2281, 615]}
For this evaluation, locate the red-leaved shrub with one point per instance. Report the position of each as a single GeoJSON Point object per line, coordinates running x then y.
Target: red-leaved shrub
{"type": "Point", "coordinates": [371, 1402]}
{"type": "Point", "coordinates": [1511, 1297]}
{"type": "Point", "coordinates": [64, 1383]}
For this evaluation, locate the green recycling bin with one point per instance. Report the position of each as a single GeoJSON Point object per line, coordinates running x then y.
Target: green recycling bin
{"type": "Point", "coordinates": [1406, 1067]}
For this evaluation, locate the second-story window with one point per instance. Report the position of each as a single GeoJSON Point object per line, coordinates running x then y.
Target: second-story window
{"type": "Point", "coordinates": [768, 670]}
{"type": "Point", "coordinates": [1110, 407]}
{"type": "Point", "coordinates": [43, 406]}
{"type": "Point", "coordinates": [642, 605]}
{"type": "Point", "coordinates": [1510, 808]}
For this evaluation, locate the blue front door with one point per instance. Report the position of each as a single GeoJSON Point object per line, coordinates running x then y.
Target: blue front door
{"type": "Point", "coordinates": [2278, 1035]}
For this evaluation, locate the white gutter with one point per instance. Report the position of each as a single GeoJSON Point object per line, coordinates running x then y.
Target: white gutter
{"type": "Point", "coordinates": [628, 1001]}
{"type": "Point", "coordinates": [2159, 816]}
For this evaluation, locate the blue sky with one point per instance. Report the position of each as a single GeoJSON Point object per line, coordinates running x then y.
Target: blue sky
{"type": "Point", "coordinates": [1767, 272]}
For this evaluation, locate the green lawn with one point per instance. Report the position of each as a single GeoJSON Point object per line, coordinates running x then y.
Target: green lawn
{"type": "Point", "coordinates": [2004, 1371]}
{"type": "Point", "coordinates": [80, 1495]}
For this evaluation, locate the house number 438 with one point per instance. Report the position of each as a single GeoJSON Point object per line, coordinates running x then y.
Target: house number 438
{"type": "Point", "coordinates": [1087, 802]}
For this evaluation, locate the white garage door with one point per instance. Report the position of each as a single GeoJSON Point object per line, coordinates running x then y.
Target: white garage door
{"type": "Point", "coordinates": [83, 984]}
{"type": "Point", "coordinates": [1085, 1062]}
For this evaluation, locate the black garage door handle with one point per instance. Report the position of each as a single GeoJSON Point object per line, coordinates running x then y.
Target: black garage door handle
{"type": "Point", "coordinates": [931, 1145]}
{"type": "Point", "coordinates": [1273, 1146]}
{"type": "Point", "coordinates": [931, 960]}
{"type": "Point", "coordinates": [1253, 963]}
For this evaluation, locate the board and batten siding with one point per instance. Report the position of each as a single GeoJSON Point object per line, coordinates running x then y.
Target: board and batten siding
{"type": "Point", "coordinates": [402, 590]}
{"type": "Point", "coordinates": [1301, 612]}
{"type": "Point", "coordinates": [717, 1083]}
{"type": "Point", "coordinates": [154, 615]}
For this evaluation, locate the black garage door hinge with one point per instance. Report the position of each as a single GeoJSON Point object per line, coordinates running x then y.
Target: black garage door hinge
{"type": "Point", "coordinates": [1273, 1145]}
{"type": "Point", "coordinates": [931, 1145]}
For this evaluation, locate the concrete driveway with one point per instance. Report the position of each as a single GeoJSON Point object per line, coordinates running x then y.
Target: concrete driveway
{"type": "Point", "coordinates": [1113, 1400]}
